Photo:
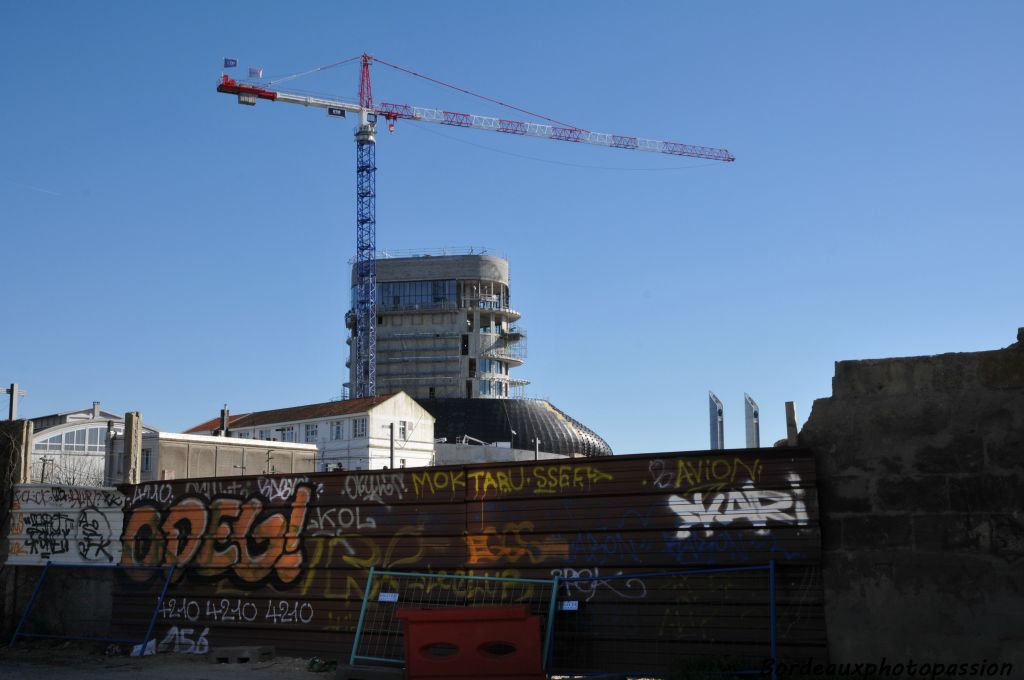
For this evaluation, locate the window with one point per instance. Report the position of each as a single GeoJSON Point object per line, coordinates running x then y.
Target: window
{"type": "Point", "coordinates": [147, 460]}
{"type": "Point", "coordinates": [358, 427]}
{"type": "Point", "coordinates": [287, 434]}
{"type": "Point", "coordinates": [264, 435]}
{"type": "Point", "coordinates": [312, 433]}
{"type": "Point", "coordinates": [416, 294]}
{"type": "Point", "coordinates": [403, 430]}
{"type": "Point", "coordinates": [338, 429]}
{"type": "Point", "coordinates": [432, 393]}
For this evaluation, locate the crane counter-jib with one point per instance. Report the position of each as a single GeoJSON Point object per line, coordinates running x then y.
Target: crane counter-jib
{"type": "Point", "coordinates": [252, 92]}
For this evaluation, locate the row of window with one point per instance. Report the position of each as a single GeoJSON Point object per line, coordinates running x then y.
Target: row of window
{"type": "Point", "coordinates": [350, 428]}
{"type": "Point", "coordinates": [147, 462]}
{"type": "Point", "coordinates": [493, 366]}
{"type": "Point", "coordinates": [402, 294]}
{"type": "Point", "coordinates": [92, 439]}
{"type": "Point", "coordinates": [493, 387]}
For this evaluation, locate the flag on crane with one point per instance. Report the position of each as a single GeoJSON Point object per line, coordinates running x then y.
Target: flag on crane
{"type": "Point", "coordinates": [230, 63]}
{"type": "Point", "coordinates": [255, 72]}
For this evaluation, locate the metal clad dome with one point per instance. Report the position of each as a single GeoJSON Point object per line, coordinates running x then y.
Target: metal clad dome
{"type": "Point", "coordinates": [494, 420]}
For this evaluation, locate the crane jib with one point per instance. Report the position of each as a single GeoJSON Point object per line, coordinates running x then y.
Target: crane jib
{"type": "Point", "coordinates": [248, 94]}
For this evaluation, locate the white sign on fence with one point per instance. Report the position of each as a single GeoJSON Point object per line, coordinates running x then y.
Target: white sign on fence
{"type": "Point", "coordinates": [65, 524]}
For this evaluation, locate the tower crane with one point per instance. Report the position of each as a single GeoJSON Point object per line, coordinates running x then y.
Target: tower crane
{"type": "Point", "coordinates": [364, 318]}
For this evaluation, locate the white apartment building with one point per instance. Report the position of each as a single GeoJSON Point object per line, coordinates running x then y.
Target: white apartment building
{"type": "Point", "coordinates": [354, 434]}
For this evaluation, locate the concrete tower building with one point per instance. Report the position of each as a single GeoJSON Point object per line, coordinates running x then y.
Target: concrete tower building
{"type": "Point", "coordinates": [446, 328]}
{"type": "Point", "coordinates": [449, 336]}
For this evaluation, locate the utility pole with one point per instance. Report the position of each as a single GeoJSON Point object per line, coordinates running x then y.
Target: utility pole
{"type": "Point", "coordinates": [268, 469]}
{"type": "Point", "coordinates": [12, 411]}
{"type": "Point", "coordinates": [391, 427]}
{"type": "Point", "coordinates": [536, 448]}
{"type": "Point", "coordinates": [42, 474]}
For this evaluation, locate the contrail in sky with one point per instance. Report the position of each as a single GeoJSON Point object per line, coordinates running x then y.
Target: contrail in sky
{"type": "Point", "coordinates": [40, 190]}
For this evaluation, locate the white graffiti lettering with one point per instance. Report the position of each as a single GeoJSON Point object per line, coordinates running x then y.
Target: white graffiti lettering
{"type": "Point", "coordinates": [376, 488]}
{"type": "Point", "coordinates": [158, 493]}
{"type": "Point", "coordinates": [705, 511]}
{"type": "Point", "coordinates": [279, 488]}
{"type": "Point", "coordinates": [214, 488]}
{"type": "Point", "coordinates": [179, 641]}
{"type": "Point", "coordinates": [583, 584]}
{"type": "Point", "coordinates": [334, 521]}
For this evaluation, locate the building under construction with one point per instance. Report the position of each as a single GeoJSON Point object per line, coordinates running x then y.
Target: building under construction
{"type": "Point", "coordinates": [449, 336]}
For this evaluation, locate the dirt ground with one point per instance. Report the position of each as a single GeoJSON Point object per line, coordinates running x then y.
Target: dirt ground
{"type": "Point", "coordinates": [71, 661]}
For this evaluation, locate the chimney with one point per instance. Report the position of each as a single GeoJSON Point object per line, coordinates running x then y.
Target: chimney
{"type": "Point", "coordinates": [95, 410]}
{"type": "Point", "coordinates": [224, 421]}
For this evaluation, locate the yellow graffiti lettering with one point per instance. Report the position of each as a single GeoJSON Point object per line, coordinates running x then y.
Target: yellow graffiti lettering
{"type": "Point", "coordinates": [714, 473]}
{"type": "Point", "coordinates": [552, 479]}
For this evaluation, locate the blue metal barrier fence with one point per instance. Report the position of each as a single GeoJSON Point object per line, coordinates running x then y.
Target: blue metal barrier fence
{"type": "Point", "coordinates": [379, 637]}
{"type": "Point", "coordinates": [19, 632]}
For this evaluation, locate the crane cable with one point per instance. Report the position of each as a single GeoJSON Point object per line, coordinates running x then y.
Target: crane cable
{"type": "Point", "coordinates": [463, 90]}
{"type": "Point", "coordinates": [309, 72]}
{"type": "Point", "coordinates": [479, 96]}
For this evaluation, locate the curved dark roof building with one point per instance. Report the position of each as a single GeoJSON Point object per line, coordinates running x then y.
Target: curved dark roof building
{"type": "Point", "coordinates": [493, 420]}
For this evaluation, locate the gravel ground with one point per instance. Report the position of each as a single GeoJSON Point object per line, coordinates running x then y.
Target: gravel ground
{"type": "Point", "coordinates": [88, 662]}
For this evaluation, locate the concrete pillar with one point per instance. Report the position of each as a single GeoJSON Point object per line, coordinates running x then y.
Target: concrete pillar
{"type": "Point", "coordinates": [716, 414]}
{"type": "Point", "coordinates": [15, 392]}
{"type": "Point", "coordinates": [133, 446]}
{"type": "Point", "coordinates": [25, 469]}
{"type": "Point", "coordinates": [16, 446]}
{"type": "Point", "coordinates": [791, 427]}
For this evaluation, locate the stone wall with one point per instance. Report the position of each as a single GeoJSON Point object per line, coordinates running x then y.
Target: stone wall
{"type": "Point", "coordinates": [921, 483]}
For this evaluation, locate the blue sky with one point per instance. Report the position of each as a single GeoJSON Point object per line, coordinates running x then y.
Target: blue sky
{"type": "Point", "coordinates": [166, 250]}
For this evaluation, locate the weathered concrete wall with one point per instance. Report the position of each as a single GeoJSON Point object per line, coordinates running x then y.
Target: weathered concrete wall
{"type": "Point", "coordinates": [921, 483]}
{"type": "Point", "coordinates": [429, 268]}
{"type": "Point", "coordinates": [14, 438]}
{"type": "Point", "coordinates": [71, 602]}
{"type": "Point", "coordinates": [64, 525]}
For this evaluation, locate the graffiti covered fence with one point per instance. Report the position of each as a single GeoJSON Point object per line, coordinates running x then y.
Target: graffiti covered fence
{"type": "Point", "coordinates": [284, 559]}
